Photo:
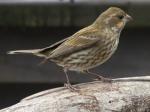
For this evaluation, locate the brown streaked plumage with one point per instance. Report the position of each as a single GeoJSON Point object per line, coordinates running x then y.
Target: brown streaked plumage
{"type": "Point", "coordinates": [89, 47]}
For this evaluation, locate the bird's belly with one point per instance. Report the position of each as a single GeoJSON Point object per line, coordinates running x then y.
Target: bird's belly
{"type": "Point", "coordinates": [76, 61]}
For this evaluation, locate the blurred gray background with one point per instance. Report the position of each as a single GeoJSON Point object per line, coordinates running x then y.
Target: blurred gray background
{"type": "Point", "coordinates": [30, 24]}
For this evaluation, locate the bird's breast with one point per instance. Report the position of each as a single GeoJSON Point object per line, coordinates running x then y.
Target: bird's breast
{"type": "Point", "coordinates": [90, 57]}
{"type": "Point", "coordinates": [105, 51]}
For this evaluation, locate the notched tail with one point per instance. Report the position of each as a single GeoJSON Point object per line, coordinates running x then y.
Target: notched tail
{"type": "Point", "coordinates": [36, 52]}
{"type": "Point", "coordinates": [44, 52]}
{"type": "Point", "coordinates": [24, 51]}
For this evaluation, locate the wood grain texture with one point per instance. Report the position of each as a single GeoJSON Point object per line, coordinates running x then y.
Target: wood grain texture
{"type": "Point", "coordinates": [122, 95]}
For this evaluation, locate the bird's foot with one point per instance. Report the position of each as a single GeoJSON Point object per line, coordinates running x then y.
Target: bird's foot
{"type": "Point", "coordinates": [98, 77]}
{"type": "Point", "coordinates": [71, 88]}
{"type": "Point", "coordinates": [103, 79]}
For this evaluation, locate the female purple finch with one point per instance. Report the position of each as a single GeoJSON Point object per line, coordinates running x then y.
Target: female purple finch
{"type": "Point", "coordinates": [87, 48]}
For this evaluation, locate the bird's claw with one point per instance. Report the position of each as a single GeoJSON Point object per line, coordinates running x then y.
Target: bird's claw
{"type": "Point", "coordinates": [103, 79]}
{"type": "Point", "coordinates": [71, 88]}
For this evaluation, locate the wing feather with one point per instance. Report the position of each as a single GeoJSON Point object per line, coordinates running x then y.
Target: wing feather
{"type": "Point", "coordinates": [47, 50]}
{"type": "Point", "coordinates": [76, 43]}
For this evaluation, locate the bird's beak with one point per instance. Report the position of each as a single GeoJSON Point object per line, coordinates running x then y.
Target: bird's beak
{"type": "Point", "coordinates": [128, 17]}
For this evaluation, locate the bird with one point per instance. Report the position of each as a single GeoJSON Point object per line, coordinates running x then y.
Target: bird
{"type": "Point", "coordinates": [87, 48]}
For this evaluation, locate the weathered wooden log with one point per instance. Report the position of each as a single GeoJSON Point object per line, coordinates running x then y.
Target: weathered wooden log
{"type": "Point", "coordinates": [122, 95]}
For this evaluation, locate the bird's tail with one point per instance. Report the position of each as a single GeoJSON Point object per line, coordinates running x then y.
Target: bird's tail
{"type": "Point", "coordinates": [33, 51]}
{"type": "Point", "coordinates": [23, 51]}
{"type": "Point", "coordinates": [44, 52]}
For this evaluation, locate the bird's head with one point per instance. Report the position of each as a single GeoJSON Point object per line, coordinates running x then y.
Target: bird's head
{"type": "Point", "coordinates": [114, 18]}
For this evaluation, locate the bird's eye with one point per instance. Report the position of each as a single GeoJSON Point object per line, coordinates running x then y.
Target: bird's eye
{"type": "Point", "coordinates": [120, 16]}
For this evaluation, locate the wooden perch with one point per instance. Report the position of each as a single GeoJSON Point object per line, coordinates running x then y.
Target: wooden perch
{"type": "Point", "coordinates": [122, 95]}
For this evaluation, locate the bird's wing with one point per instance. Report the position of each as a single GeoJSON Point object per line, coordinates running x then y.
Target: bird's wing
{"type": "Point", "coordinates": [47, 50]}
{"type": "Point", "coordinates": [75, 43]}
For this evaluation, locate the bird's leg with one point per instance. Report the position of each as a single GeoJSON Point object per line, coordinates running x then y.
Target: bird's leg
{"type": "Point", "coordinates": [98, 77]}
{"type": "Point", "coordinates": [68, 84]}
